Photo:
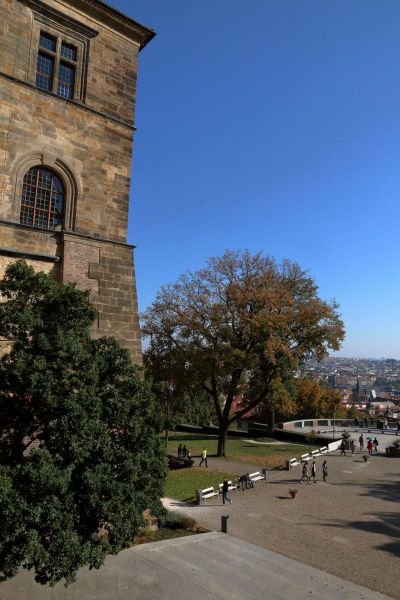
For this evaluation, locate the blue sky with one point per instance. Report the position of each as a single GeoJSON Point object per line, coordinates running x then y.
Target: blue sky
{"type": "Point", "coordinates": [273, 125]}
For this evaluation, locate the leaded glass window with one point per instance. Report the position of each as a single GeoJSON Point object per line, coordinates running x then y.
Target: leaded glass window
{"type": "Point", "coordinates": [56, 66]}
{"type": "Point", "coordinates": [42, 199]}
{"type": "Point", "coordinates": [66, 79]}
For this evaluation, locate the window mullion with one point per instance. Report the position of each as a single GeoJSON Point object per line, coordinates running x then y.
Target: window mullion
{"type": "Point", "coordinates": [36, 193]}
{"type": "Point", "coordinates": [57, 65]}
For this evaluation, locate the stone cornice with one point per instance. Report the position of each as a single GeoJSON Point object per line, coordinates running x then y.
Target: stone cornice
{"type": "Point", "coordinates": [41, 8]}
{"type": "Point", "coordinates": [103, 12]}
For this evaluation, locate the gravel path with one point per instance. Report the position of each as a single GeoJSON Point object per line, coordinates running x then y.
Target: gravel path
{"type": "Point", "coordinates": [349, 526]}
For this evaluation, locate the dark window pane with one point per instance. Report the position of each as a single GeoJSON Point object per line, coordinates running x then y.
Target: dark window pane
{"type": "Point", "coordinates": [28, 195]}
{"type": "Point", "coordinates": [44, 179]}
{"type": "Point", "coordinates": [68, 51]}
{"type": "Point", "coordinates": [47, 41]}
{"type": "Point", "coordinates": [44, 72]}
{"type": "Point", "coordinates": [31, 176]}
{"type": "Point", "coordinates": [66, 79]}
{"type": "Point", "coordinates": [41, 219]}
{"type": "Point", "coordinates": [26, 216]}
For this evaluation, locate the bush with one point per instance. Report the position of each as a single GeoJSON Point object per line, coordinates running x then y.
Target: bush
{"type": "Point", "coordinates": [80, 455]}
{"type": "Point", "coordinates": [174, 520]}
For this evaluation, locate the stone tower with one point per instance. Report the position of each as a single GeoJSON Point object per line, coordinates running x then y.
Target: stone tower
{"type": "Point", "coordinates": [67, 98]}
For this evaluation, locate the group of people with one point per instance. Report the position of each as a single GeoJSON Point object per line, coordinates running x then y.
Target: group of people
{"type": "Point", "coordinates": [307, 475]}
{"type": "Point", "coordinates": [372, 446]}
{"type": "Point", "coordinates": [244, 481]}
{"type": "Point", "coordinates": [184, 452]}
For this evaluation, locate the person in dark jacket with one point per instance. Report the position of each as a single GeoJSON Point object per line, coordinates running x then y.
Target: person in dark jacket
{"type": "Point", "coordinates": [304, 473]}
{"type": "Point", "coordinates": [324, 470]}
{"type": "Point", "coordinates": [225, 488]}
{"type": "Point", "coordinates": [314, 471]}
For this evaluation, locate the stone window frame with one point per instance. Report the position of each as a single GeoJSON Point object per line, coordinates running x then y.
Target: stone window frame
{"type": "Point", "coordinates": [72, 187]}
{"type": "Point", "coordinates": [64, 29]}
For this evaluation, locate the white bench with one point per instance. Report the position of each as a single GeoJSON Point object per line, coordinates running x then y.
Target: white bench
{"type": "Point", "coordinates": [256, 476]}
{"type": "Point", "coordinates": [231, 487]}
{"type": "Point", "coordinates": [305, 457]}
{"type": "Point", "coordinates": [208, 493]}
{"type": "Point", "coordinates": [315, 453]}
{"type": "Point", "coordinates": [293, 462]}
{"type": "Point", "coordinates": [323, 450]}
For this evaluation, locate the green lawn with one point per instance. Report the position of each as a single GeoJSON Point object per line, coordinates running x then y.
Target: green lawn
{"type": "Point", "coordinates": [239, 450]}
{"type": "Point", "coordinates": [183, 483]}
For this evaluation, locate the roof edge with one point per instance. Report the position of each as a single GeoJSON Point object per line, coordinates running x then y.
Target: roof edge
{"type": "Point", "coordinates": [116, 19]}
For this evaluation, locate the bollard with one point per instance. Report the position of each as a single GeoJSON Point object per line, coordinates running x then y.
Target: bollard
{"type": "Point", "coordinates": [198, 497]}
{"type": "Point", "coordinates": [224, 523]}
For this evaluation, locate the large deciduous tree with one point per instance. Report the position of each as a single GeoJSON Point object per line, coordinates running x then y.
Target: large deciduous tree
{"type": "Point", "coordinates": [236, 328]}
{"type": "Point", "coordinates": [315, 401]}
{"type": "Point", "coordinates": [80, 455]}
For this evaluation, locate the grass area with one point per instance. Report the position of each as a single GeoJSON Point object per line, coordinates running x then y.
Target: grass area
{"type": "Point", "coordinates": [239, 450]}
{"type": "Point", "coordinates": [183, 483]}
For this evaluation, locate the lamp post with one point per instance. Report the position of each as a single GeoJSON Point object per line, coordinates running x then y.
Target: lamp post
{"type": "Point", "coordinates": [334, 417]}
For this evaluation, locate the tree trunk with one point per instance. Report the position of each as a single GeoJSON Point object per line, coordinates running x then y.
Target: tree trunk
{"type": "Point", "coordinates": [222, 436]}
{"type": "Point", "coordinates": [271, 420]}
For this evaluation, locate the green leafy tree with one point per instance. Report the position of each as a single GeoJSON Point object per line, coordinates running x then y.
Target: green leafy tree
{"type": "Point", "coordinates": [80, 455]}
{"type": "Point", "coordinates": [236, 327]}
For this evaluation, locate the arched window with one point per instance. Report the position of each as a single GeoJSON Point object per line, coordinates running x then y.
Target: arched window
{"type": "Point", "coordinates": [42, 199]}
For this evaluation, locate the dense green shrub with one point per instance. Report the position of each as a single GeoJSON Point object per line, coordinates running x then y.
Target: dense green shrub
{"type": "Point", "coordinates": [80, 455]}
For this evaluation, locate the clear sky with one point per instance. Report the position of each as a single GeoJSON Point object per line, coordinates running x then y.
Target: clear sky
{"type": "Point", "coordinates": [273, 125]}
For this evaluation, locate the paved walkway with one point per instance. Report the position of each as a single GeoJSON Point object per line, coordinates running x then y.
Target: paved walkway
{"type": "Point", "coordinates": [210, 566]}
{"type": "Point", "coordinates": [349, 526]}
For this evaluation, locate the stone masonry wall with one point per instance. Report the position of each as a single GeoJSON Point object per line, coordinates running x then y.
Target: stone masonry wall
{"type": "Point", "coordinates": [87, 141]}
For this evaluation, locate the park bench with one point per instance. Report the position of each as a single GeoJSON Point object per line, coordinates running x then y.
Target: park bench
{"type": "Point", "coordinates": [231, 487]}
{"type": "Point", "coordinates": [256, 476]}
{"type": "Point", "coordinates": [305, 457]}
{"type": "Point", "coordinates": [293, 462]}
{"type": "Point", "coordinates": [323, 450]}
{"type": "Point", "coordinates": [208, 493]}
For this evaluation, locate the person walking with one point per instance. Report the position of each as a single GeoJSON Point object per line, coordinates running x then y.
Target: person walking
{"type": "Point", "coordinates": [314, 471]}
{"type": "Point", "coordinates": [184, 451]}
{"type": "Point", "coordinates": [225, 488]}
{"type": "Point", "coordinates": [353, 446]}
{"type": "Point", "coordinates": [324, 470]}
{"type": "Point", "coordinates": [343, 448]}
{"type": "Point", "coordinates": [369, 446]}
{"type": "Point", "coordinates": [204, 457]}
{"type": "Point", "coordinates": [179, 450]}
{"type": "Point", "coordinates": [375, 444]}
{"type": "Point", "coordinates": [304, 473]}
{"type": "Point", "coordinates": [361, 442]}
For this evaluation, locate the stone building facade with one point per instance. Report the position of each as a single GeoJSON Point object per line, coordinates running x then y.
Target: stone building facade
{"type": "Point", "coordinates": [67, 101]}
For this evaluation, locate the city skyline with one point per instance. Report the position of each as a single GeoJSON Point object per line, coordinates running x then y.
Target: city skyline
{"type": "Point", "coordinates": [276, 128]}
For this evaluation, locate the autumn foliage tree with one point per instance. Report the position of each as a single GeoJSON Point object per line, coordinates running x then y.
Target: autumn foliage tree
{"type": "Point", "coordinates": [315, 401]}
{"type": "Point", "coordinates": [236, 328]}
{"type": "Point", "coordinates": [80, 454]}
